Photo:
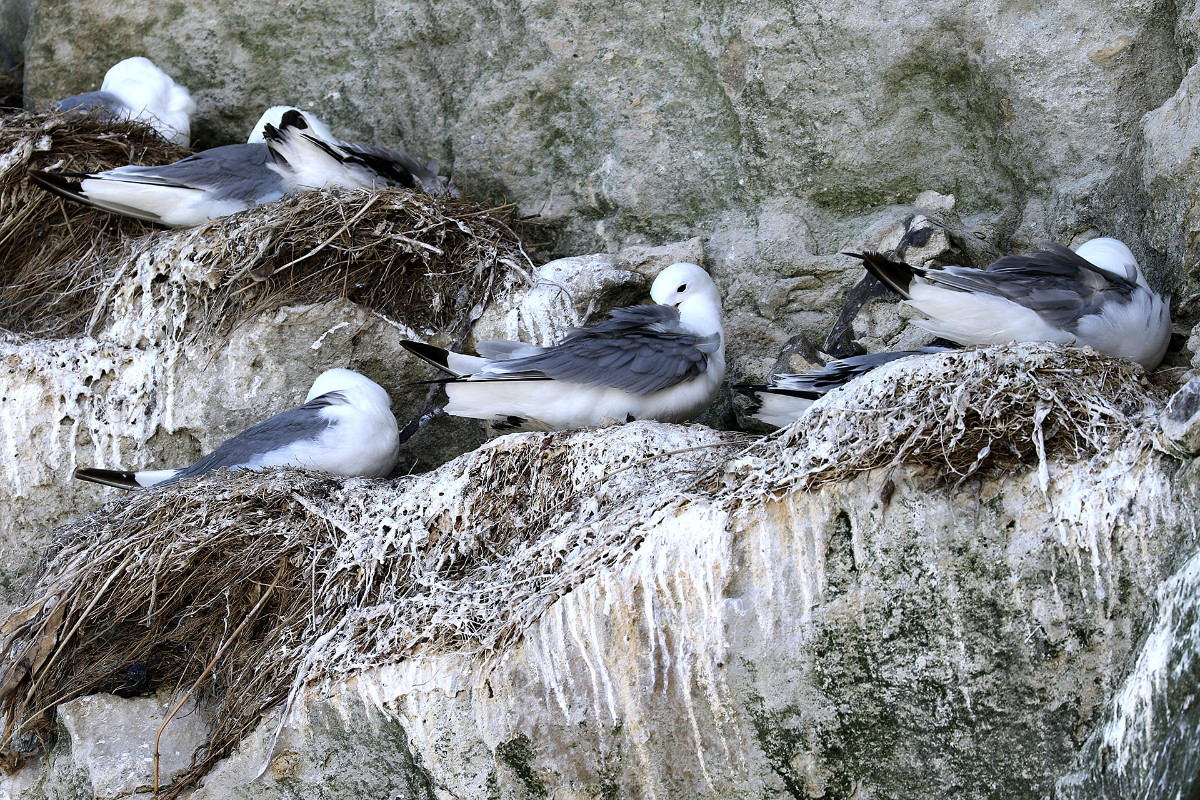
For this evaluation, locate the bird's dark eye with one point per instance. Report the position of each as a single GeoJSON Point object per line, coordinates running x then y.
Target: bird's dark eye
{"type": "Point", "coordinates": [682, 287]}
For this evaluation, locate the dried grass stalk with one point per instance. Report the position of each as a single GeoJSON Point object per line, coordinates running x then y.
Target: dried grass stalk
{"type": "Point", "coordinates": [43, 240]}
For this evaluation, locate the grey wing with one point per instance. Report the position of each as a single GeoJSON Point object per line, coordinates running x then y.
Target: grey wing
{"type": "Point", "coordinates": [641, 349]}
{"type": "Point", "coordinates": [842, 371]}
{"type": "Point", "coordinates": [1059, 285]}
{"type": "Point", "coordinates": [303, 423]}
{"type": "Point", "coordinates": [231, 172]}
{"type": "Point", "coordinates": [87, 102]}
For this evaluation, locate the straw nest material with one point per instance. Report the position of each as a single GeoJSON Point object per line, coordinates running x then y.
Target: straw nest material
{"type": "Point", "coordinates": [41, 237]}
{"type": "Point", "coordinates": [959, 413]}
{"type": "Point", "coordinates": [12, 87]}
{"type": "Point", "coordinates": [277, 579]}
{"type": "Point", "coordinates": [432, 262]}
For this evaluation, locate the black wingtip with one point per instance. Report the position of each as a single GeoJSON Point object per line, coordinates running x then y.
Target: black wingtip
{"type": "Point", "coordinates": [896, 275]}
{"type": "Point", "coordinates": [271, 133]}
{"type": "Point", "coordinates": [428, 353]}
{"type": "Point", "coordinates": [67, 186]}
{"type": "Point", "coordinates": [107, 477]}
{"type": "Point", "coordinates": [751, 391]}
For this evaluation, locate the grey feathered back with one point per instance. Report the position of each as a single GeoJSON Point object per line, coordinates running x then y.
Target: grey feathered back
{"type": "Point", "coordinates": [640, 349]}
{"type": "Point", "coordinates": [1061, 286]}
{"type": "Point", "coordinates": [281, 430]}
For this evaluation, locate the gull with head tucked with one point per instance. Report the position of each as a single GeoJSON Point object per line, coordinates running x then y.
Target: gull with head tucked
{"type": "Point", "coordinates": [1095, 296]}
{"type": "Point", "coordinates": [136, 89]}
{"type": "Point", "coordinates": [664, 362]}
{"type": "Point", "coordinates": [345, 427]}
{"type": "Point", "coordinates": [310, 157]}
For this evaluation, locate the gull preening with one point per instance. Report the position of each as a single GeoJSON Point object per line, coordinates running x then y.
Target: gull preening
{"type": "Point", "coordinates": [345, 427]}
{"type": "Point", "coordinates": [231, 178]}
{"type": "Point", "coordinates": [210, 184]}
{"type": "Point", "coordinates": [135, 89]}
{"type": "Point", "coordinates": [1095, 296]}
{"type": "Point", "coordinates": [663, 362]}
{"type": "Point", "coordinates": [788, 396]}
{"type": "Point", "coordinates": [310, 157]}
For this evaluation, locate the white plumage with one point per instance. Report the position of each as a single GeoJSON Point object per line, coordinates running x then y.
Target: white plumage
{"type": "Point", "coordinates": [663, 362]}
{"type": "Point", "coordinates": [136, 89]}
{"type": "Point", "coordinates": [1096, 296]}
{"type": "Point", "coordinates": [345, 427]}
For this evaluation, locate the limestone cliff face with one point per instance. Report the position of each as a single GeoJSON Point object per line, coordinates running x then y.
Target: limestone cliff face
{"type": "Point", "coordinates": [1019, 634]}
{"type": "Point", "coordinates": [770, 127]}
{"type": "Point", "coordinates": [722, 628]}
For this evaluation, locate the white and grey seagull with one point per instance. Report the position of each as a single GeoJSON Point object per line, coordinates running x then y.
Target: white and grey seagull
{"type": "Point", "coordinates": [311, 158]}
{"type": "Point", "coordinates": [345, 427]}
{"type": "Point", "coordinates": [663, 362]}
{"type": "Point", "coordinates": [210, 184]}
{"type": "Point", "coordinates": [220, 181]}
{"type": "Point", "coordinates": [135, 89]}
{"type": "Point", "coordinates": [788, 396]}
{"type": "Point", "coordinates": [1095, 296]}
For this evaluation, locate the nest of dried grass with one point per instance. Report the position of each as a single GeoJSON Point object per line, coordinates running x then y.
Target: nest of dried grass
{"type": "Point", "coordinates": [12, 87]}
{"type": "Point", "coordinates": [41, 238]}
{"type": "Point", "coordinates": [281, 578]}
{"type": "Point", "coordinates": [967, 412]}
{"type": "Point", "coordinates": [432, 262]}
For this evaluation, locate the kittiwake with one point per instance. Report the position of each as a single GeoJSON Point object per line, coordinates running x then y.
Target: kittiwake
{"type": "Point", "coordinates": [1095, 296]}
{"type": "Point", "coordinates": [210, 184]}
{"type": "Point", "coordinates": [136, 89]}
{"type": "Point", "coordinates": [311, 158]}
{"type": "Point", "coordinates": [663, 362]}
{"type": "Point", "coordinates": [788, 396]}
{"type": "Point", "coordinates": [345, 427]}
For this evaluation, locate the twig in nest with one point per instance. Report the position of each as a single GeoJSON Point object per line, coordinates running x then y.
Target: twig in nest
{"type": "Point", "coordinates": [220, 652]}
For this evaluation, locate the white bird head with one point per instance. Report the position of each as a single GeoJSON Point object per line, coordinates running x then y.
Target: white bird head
{"type": "Point", "coordinates": [690, 289]}
{"type": "Point", "coordinates": [1111, 255]}
{"type": "Point", "coordinates": [274, 116]}
{"type": "Point", "coordinates": [355, 386]}
{"type": "Point", "coordinates": [152, 96]}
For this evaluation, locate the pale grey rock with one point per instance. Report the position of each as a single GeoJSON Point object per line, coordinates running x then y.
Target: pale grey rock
{"type": "Point", "coordinates": [14, 25]}
{"type": "Point", "coordinates": [628, 123]}
{"type": "Point", "coordinates": [120, 760]}
{"type": "Point", "coordinates": [1146, 745]}
{"type": "Point", "coordinates": [1179, 432]}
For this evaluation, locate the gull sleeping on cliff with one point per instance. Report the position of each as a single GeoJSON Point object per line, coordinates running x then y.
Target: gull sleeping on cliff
{"type": "Point", "coordinates": [789, 396]}
{"type": "Point", "coordinates": [311, 158]}
{"type": "Point", "coordinates": [663, 362]}
{"type": "Point", "coordinates": [345, 427]}
{"type": "Point", "coordinates": [135, 89]}
{"type": "Point", "coordinates": [1095, 296]}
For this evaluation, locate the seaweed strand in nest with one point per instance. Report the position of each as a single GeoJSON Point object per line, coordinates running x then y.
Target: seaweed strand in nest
{"type": "Point", "coordinates": [43, 244]}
